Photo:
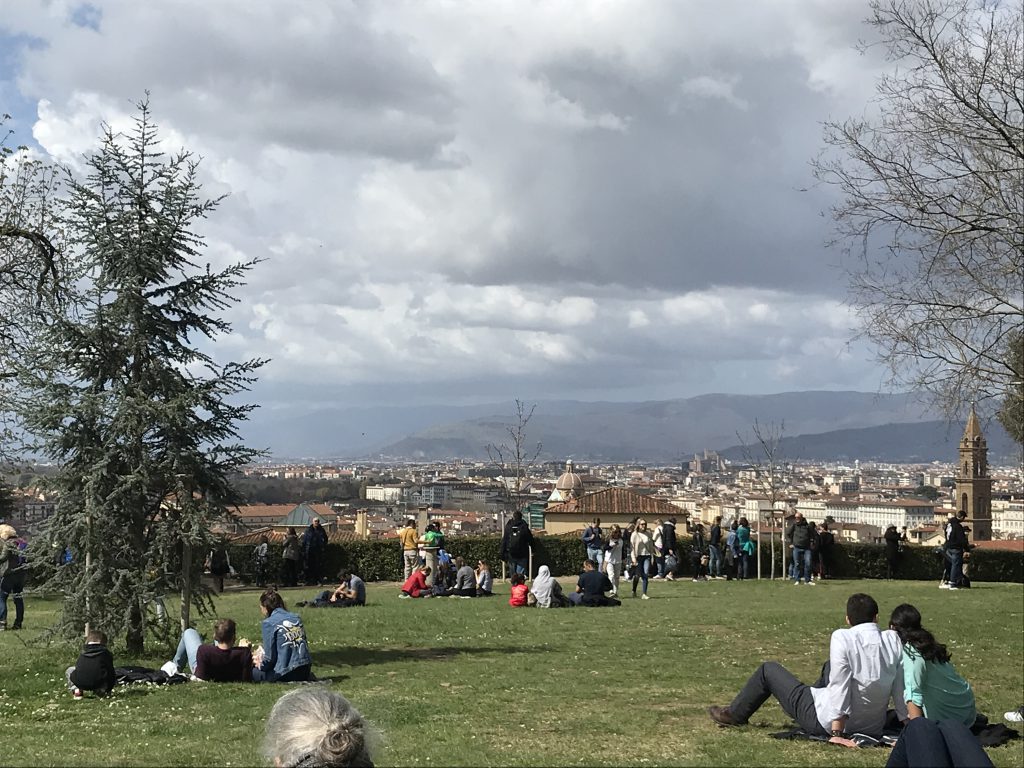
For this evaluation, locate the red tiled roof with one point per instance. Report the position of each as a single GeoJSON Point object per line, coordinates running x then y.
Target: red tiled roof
{"type": "Point", "coordinates": [616, 501]}
{"type": "Point", "coordinates": [1007, 545]}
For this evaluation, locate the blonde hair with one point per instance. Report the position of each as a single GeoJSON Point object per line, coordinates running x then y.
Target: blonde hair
{"type": "Point", "coordinates": [315, 726]}
{"type": "Point", "coordinates": [7, 532]}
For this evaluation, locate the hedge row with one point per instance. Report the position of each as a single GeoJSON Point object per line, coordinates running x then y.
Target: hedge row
{"type": "Point", "coordinates": [377, 560]}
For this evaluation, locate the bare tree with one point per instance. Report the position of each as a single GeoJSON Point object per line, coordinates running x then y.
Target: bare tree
{"type": "Point", "coordinates": [931, 213]}
{"type": "Point", "coordinates": [515, 458]}
{"type": "Point", "coordinates": [764, 455]}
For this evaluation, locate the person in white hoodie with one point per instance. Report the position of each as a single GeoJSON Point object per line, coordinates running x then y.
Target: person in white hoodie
{"type": "Point", "coordinates": [613, 558]}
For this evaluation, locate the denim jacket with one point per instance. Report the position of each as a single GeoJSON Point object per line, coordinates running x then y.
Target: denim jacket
{"type": "Point", "coordinates": [284, 644]}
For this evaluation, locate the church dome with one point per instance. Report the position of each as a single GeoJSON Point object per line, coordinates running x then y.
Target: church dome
{"type": "Point", "coordinates": [569, 482]}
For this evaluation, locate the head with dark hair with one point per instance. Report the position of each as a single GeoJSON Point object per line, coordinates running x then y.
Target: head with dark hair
{"type": "Point", "coordinates": [861, 609]}
{"type": "Point", "coordinates": [270, 601]}
{"type": "Point", "coordinates": [224, 631]}
{"type": "Point", "coordinates": [589, 565]}
{"type": "Point", "coordinates": [517, 578]}
{"type": "Point", "coordinates": [313, 726]}
{"type": "Point", "coordinates": [744, 522]}
{"type": "Point", "coordinates": [517, 515]}
{"type": "Point", "coordinates": [459, 562]}
{"type": "Point", "coordinates": [410, 523]}
{"type": "Point", "coordinates": [344, 574]}
{"type": "Point", "coordinates": [292, 531]}
{"type": "Point", "coordinates": [906, 621]}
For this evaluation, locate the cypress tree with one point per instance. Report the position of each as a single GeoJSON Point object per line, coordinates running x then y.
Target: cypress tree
{"type": "Point", "coordinates": [126, 398]}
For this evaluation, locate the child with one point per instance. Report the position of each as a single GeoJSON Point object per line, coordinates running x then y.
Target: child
{"type": "Point", "coordinates": [94, 670]}
{"type": "Point", "coordinates": [519, 591]}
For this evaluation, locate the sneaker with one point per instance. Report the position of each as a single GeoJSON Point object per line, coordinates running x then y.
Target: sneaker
{"type": "Point", "coordinates": [796, 583]}
{"type": "Point", "coordinates": [644, 597]}
{"type": "Point", "coordinates": [76, 694]}
{"type": "Point", "coordinates": [657, 578]}
{"type": "Point", "coordinates": [810, 583]}
{"type": "Point", "coordinates": [944, 585]}
{"type": "Point", "coordinates": [695, 580]}
{"type": "Point", "coordinates": [953, 589]}
{"type": "Point", "coordinates": [404, 596]}
{"type": "Point", "coordinates": [670, 577]}
{"type": "Point", "coordinates": [1016, 716]}
{"type": "Point", "coordinates": [170, 669]}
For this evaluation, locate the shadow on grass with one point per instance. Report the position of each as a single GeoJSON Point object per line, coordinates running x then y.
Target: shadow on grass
{"type": "Point", "coordinates": [360, 657]}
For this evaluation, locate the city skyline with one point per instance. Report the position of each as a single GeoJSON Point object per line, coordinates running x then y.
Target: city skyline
{"type": "Point", "coordinates": [472, 203]}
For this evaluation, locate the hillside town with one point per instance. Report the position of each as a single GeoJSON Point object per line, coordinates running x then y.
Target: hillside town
{"type": "Point", "coordinates": [859, 500]}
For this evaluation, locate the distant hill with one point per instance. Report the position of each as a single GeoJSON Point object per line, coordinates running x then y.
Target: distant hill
{"type": "Point", "coordinates": [896, 443]}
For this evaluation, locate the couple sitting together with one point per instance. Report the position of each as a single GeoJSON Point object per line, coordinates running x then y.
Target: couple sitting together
{"type": "Point", "coordinates": [867, 667]}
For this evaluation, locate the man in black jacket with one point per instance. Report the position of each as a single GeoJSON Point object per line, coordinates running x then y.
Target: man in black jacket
{"type": "Point", "coordinates": [956, 545]}
{"type": "Point", "coordinates": [668, 546]}
{"type": "Point", "coordinates": [515, 544]}
{"type": "Point", "coordinates": [799, 536]}
{"type": "Point", "coordinates": [94, 670]}
{"type": "Point", "coordinates": [314, 546]}
{"type": "Point", "coordinates": [715, 549]}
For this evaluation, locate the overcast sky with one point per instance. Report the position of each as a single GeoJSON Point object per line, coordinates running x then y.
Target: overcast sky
{"type": "Point", "coordinates": [465, 201]}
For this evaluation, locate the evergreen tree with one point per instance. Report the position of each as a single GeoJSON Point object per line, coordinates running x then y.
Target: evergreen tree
{"type": "Point", "coordinates": [140, 419]}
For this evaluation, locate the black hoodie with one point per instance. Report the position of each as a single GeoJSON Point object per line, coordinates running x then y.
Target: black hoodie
{"type": "Point", "coordinates": [94, 670]}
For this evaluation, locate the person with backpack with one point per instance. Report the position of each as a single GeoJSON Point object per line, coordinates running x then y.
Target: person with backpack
{"type": "Point", "coordinates": [515, 544]}
{"type": "Point", "coordinates": [593, 542]}
{"type": "Point", "coordinates": [219, 564]}
{"type": "Point", "coordinates": [13, 572]}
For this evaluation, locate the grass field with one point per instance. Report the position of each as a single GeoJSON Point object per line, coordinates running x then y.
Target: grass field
{"type": "Point", "coordinates": [474, 682]}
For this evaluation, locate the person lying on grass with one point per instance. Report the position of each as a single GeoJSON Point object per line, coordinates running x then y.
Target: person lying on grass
{"type": "Point", "coordinates": [221, 661]}
{"type": "Point", "coordinates": [350, 591]}
{"type": "Point", "coordinates": [416, 585]}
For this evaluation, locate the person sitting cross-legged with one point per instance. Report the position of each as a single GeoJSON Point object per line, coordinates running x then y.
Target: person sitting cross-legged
{"type": "Point", "coordinates": [416, 585]}
{"type": "Point", "coordinates": [350, 591]}
{"type": "Point", "coordinates": [591, 587]}
{"type": "Point", "coordinates": [862, 674]}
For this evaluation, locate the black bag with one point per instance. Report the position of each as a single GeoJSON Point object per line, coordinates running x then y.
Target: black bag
{"type": "Point", "coordinates": [129, 675]}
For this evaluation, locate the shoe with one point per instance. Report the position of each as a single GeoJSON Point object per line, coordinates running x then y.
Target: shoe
{"type": "Point", "coordinates": [657, 578]}
{"type": "Point", "coordinates": [3, 626]}
{"type": "Point", "coordinates": [170, 669]}
{"type": "Point", "coordinates": [404, 596]}
{"type": "Point", "coordinates": [464, 597]}
{"type": "Point", "coordinates": [301, 604]}
{"type": "Point", "coordinates": [953, 589]}
{"type": "Point", "coordinates": [1016, 716]}
{"type": "Point", "coordinates": [810, 583]}
{"type": "Point", "coordinates": [15, 626]}
{"type": "Point", "coordinates": [721, 715]}
{"type": "Point", "coordinates": [944, 585]}
{"type": "Point", "coordinates": [76, 694]}
{"type": "Point", "coordinates": [644, 597]}
{"type": "Point", "coordinates": [796, 583]}
{"type": "Point", "coordinates": [670, 577]}
{"type": "Point", "coordinates": [634, 594]}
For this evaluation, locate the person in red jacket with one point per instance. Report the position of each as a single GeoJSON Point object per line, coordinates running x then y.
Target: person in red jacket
{"type": "Point", "coordinates": [416, 585]}
{"type": "Point", "coordinates": [518, 598]}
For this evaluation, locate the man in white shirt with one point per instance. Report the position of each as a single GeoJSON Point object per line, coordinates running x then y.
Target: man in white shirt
{"type": "Point", "coordinates": [863, 673]}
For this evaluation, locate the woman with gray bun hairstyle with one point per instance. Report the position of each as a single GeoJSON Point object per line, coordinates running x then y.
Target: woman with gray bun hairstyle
{"type": "Point", "coordinates": [313, 726]}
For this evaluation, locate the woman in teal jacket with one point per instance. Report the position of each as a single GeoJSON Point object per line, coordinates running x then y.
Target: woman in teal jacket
{"type": "Point", "coordinates": [747, 547]}
{"type": "Point", "coordinates": [284, 657]}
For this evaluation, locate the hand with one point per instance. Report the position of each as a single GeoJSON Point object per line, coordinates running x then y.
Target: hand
{"type": "Point", "coordinates": [244, 643]}
{"type": "Point", "coordinates": [843, 742]}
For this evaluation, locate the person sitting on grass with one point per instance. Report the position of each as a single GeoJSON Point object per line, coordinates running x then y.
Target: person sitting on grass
{"type": "Point", "coordinates": [863, 672]}
{"type": "Point", "coordinates": [221, 661]}
{"type": "Point", "coordinates": [284, 656]}
{"type": "Point", "coordinates": [465, 580]}
{"type": "Point", "coordinates": [94, 670]}
{"type": "Point", "coordinates": [519, 593]}
{"type": "Point", "coordinates": [313, 726]}
{"type": "Point", "coordinates": [416, 585]}
{"type": "Point", "coordinates": [591, 587]}
{"type": "Point", "coordinates": [547, 590]}
{"type": "Point", "coordinates": [484, 580]}
{"type": "Point", "coordinates": [350, 591]}
{"type": "Point", "coordinates": [926, 743]}
{"type": "Point", "coordinates": [931, 686]}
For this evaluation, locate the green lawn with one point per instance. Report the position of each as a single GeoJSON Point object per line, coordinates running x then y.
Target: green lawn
{"type": "Point", "coordinates": [474, 682]}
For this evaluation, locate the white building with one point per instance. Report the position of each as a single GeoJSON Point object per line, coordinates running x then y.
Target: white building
{"type": "Point", "coordinates": [389, 494]}
{"type": "Point", "coordinates": [1008, 519]}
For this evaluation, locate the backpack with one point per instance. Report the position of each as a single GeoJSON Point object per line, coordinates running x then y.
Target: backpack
{"type": "Point", "coordinates": [518, 538]}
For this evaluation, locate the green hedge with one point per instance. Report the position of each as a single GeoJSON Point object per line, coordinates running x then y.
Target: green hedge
{"type": "Point", "coordinates": [377, 560]}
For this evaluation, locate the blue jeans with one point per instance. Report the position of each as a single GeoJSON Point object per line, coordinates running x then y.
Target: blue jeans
{"type": "Point", "coordinates": [956, 566]}
{"type": "Point", "coordinates": [597, 555]}
{"type": "Point", "coordinates": [188, 647]}
{"type": "Point", "coordinates": [801, 560]}
{"type": "Point", "coordinates": [11, 585]}
{"type": "Point", "coordinates": [518, 565]}
{"type": "Point", "coordinates": [714, 561]}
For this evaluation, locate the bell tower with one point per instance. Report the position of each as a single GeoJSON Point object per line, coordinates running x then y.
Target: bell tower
{"type": "Point", "coordinates": [973, 484]}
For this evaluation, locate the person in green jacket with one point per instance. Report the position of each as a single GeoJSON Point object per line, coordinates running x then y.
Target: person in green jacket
{"type": "Point", "coordinates": [746, 546]}
{"type": "Point", "coordinates": [931, 686]}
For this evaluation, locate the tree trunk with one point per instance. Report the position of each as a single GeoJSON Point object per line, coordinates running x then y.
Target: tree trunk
{"type": "Point", "coordinates": [136, 635]}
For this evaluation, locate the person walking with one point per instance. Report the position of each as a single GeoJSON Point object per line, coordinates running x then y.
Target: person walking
{"type": "Point", "coordinates": [408, 538]}
{"type": "Point", "coordinates": [641, 545]}
{"type": "Point", "coordinates": [715, 549]}
{"type": "Point", "coordinates": [219, 563]}
{"type": "Point", "coordinates": [826, 543]}
{"type": "Point", "coordinates": [593, 541]}
{"type": "Point", "coordinates": [515, 544]}
{"type": "Point", "coordinates": [13, 573]}
{"type": "Point", "coordinates": [261, 558]}
{"type": "Point", "coordinates": [613, 558]}
{"type": "Point", "coordinates": [314, 547]}
{"type": "Point", "coordinates": [291, 556]}
{"type": "Point", "coordinates": [956, 545]}
{"type": "Point", "coordinates": [668, 548]}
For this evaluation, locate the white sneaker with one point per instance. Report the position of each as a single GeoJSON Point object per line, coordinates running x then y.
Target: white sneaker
{"type": "Point", "coordinates": [810, 583]}
{"type": "Point", "coordinates": [404, 596]}
{"type": "Point", "coordinates": [1017, 716]}
{"type": "Point", "coordinates": [670, 577]}
{"type": "Point", "coordinates": [944, 585]}
{"type": "Point", "coordinates": [644, 597]}
{"type": "Point", "coordinates": [170, 668]}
